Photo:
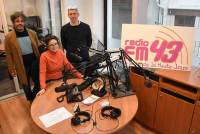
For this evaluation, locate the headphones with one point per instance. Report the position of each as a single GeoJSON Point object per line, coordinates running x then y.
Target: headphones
{"type": "Point", "coordinates": [76, 120]}
{"type": "Point", "coordinates": [74, 95]}
{"type": "Point", "coordinates": [111, 112]}
{"type": "Point", "coordinates": [99, 87]}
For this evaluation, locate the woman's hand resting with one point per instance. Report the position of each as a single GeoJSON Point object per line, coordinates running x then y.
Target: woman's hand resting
{"type": "Point", "coordinates": [42, 91]}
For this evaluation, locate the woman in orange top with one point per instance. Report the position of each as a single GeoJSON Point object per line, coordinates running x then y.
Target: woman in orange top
{"type": "Point", "coordinates": [52, 62]}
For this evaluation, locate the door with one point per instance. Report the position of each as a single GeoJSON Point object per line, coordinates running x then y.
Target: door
{"type": "Point", "coordinates": [173, 113]}
{"type": "Point", "coordinates": [147, 98]}
{"type": "Point", "coordinates": [195, 127]}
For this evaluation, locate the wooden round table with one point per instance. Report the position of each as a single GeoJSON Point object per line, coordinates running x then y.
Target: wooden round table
{"type": "Point", "coordinates": [48, 102]}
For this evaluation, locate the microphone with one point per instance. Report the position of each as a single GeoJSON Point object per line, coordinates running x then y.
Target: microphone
{"type": "Point", "coordinates": [80, 87]}
{"type": "Point", "coordinates": [147, 81]}
{"type": "Point", "coordinates": [63, 87]}
{"type": "Point", "coordinates": [112, 59]}
{"type": "Point", "coordinates": [148, 84]}
{"type": "Point", "coordinates": [86, 83]}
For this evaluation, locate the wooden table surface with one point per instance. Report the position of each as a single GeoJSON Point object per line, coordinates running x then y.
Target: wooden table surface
{"type": "Point", "coordinates": [191, 78]}
{"type": "Point", "coordinates": [47, 102]}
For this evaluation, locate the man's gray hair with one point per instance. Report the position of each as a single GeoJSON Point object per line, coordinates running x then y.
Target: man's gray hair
{"type": "Point", "coordinates": [72, 8]}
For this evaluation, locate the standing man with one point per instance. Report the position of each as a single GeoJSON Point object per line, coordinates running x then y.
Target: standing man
{"type": "Point", "coordinates": [76, 39]}
{"type": "Point", "coordinates": [21, 47]}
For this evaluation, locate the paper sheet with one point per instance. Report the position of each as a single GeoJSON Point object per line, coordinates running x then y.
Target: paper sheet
{"type": "Point", "coordinates": [55, 116]}
{"type": "Point", "coordinates": [91, 99]}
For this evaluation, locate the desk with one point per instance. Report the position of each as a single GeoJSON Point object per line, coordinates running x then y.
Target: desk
{"type": "Point", "coordinates": [172, 104]}
{"type": "Point", "coordinates": [47, 102]}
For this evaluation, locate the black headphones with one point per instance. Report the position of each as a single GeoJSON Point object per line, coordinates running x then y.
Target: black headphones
{"type": "Point", "coordinates": [76, 120]}
{"type": "Point", "coordinates": [98, 87]}
{"type": "Point", "coordinates": [111, 112]}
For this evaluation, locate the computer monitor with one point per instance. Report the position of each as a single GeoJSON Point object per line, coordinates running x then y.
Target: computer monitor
{"type": "Point", "coordinates": [33, 22]}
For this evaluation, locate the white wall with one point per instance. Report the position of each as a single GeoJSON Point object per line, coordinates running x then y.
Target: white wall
{"type": "Point", "coordinates": [1, 29]}
{"type": "Point", "coordinates": [42, 9]}
{"type": "Point", "coordinates": [55, 17]}
{"type": "Point", "coordinates": [27, 6]}
{"type": "Point", "coordinates": [110, 40]}
{"type": "Point", "coordinates": [85, 9]}
{"type": "Point", "coordinates": [98, 20]}
{"type": "Point", "coordinates": [10, 7]}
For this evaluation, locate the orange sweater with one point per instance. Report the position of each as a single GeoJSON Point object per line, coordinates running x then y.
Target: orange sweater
{"type": "Point", "coordinates": [51, 66]}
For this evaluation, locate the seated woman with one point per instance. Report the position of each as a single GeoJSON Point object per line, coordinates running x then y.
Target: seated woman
{"type": "Point", "coordinates": [52, 62]}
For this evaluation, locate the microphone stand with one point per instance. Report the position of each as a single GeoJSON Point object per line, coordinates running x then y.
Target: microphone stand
{"type": "Point", "coordinates": [117, 88]}
{"type": "Point", "coordinates": [113, 79]}
{"type": "Point", "coordinates": [121, 89]}
{"type": "Point", "coordinates": [139, 68]}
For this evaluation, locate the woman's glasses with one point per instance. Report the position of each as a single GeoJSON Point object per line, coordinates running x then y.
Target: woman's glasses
{"type": "Point", "coordinates": [51, 45]}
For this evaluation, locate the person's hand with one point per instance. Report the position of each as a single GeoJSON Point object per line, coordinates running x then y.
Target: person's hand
{"type": "Point", "coordinates": [80, 76]}
{"type": "Point", "coordinates": [41, 92]}
{"type": "Point", "coordinates": [13, 73]}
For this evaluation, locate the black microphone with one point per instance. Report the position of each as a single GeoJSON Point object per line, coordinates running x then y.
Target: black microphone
{"type": "Point", "coordinates": [147, 81]}
{"type": "Point", "coordinates": [86, 83]}
{"type": "Point", "coordinates": [148, 84]}
{"type": "Point", "coordinates": [80, 87]}
{"type": "Point", "coordinates": [63, 87]}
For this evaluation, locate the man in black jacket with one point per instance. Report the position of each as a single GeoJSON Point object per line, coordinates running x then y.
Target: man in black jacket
{"type": "Point", "coordinates": [76, 38]}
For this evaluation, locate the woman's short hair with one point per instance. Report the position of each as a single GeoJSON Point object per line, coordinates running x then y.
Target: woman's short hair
{"type": "Point", "coordinates": [50, 37]}
{"type": "Point", "coordinates": [16, 15]}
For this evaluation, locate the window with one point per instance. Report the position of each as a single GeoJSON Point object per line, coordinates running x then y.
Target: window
{"type": "Point", "coordinates": [122, 13]}
{"type": "Point", "coordinates": [119, 12]}
{"type": "Point", "coordinates": [181, 20]}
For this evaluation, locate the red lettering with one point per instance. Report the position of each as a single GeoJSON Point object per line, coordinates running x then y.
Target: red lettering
{"type": "Point", "coordinates": [129, 50]}
{"type": "Point", "coordinates": [159, 50]}
{"type": "Point", "coordinates": [126, 42]}
{"type": "Point", "coordinates": [139, 42]}
{"type": "Point", "coordinates": [166, 51]}
{"type": "Point", "coordinates": [142, 53]}
{"type": "Point", "coordinates": [173, 47]}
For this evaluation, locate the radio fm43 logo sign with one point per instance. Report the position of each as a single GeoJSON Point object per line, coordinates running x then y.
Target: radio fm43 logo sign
{"type": "Point", "coordinates": [164, 50]}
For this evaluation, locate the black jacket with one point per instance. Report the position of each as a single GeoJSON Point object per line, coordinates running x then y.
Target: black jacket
{"type": "Point", "coordinates": [76, 40]}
